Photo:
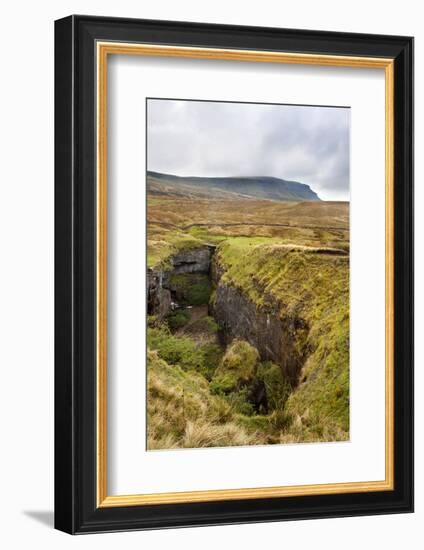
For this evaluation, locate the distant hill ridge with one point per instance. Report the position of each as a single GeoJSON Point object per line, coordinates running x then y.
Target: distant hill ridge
{"type": "Point", "coordinates": [257, 187]}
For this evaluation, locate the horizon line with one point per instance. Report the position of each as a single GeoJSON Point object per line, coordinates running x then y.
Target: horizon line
{"type": "Point", "coordinates": [231, 176]}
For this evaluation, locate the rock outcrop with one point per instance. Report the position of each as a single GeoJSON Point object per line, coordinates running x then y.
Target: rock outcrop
{"type": "Point", "coordinates": [158, 296]}
{"type": "Point", "coordinates": [159, 286]}
{"type": "Point", "coordinates": [280, 340]}
{"type": "Point", "coordinates": [197, 260]}
{"type": "Point", "coordinates": [256, 187]}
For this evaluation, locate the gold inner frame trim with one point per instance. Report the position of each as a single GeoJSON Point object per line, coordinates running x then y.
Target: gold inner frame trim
{"type": "Point", "coordinates": [104, 49]}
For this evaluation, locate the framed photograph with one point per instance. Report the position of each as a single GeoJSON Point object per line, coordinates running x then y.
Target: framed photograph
{"type": "Point", "coordinates": [234, 274]}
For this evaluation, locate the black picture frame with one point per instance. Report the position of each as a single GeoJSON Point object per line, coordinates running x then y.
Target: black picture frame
{"type": "Point", "coordinates": [76, 510]}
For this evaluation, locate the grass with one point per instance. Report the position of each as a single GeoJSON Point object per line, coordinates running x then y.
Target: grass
{"type": "Point", "coordinates": [290, 257]}
{"type": "Point", "coordinates": [191, 404]}
{"type": "Point", "coordinates": [178, 319]}
{"type": "Point", "coordinates": [184, 351]}
{"type": "Point", "coordinates": [191, 288]}
{"type": "Point", "coordinates": [313, 287]}
{"type": "Point", "coordinates": [277, 386]}
{"type": "Point", "coordinates": [237, 368]}
{"type": "Point", "coordinates": [205, 327]}
{"type": "Point", "coordinates": [163, 243]}
{"type": "Point", "coordinates": [176, 224]}
{"type": "Point", "coordinates": [183, 413]}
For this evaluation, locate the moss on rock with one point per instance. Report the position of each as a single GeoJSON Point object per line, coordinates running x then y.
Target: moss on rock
{"type": "Point", "coordinates": [191, 288]}
{"type": "Point", "coordinates": [277, 386]}
{"type": "Point", "coordinates": [237, 368]}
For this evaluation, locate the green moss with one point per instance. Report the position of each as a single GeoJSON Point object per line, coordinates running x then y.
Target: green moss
{"type": "Point", "coordinates": [176, 350]}
{"type": "Point", "coordinates": [212, 325]}
{"type": "Point", "coordinates": [211, 357]}
{"type": "Point", "coordinates": [204, 328]}
{"type": "Point", "coordinates": [324, 390]}
{"type": "Point", "coordinates": [191, 288]}
{"type": "Point", "coordinates": [277, 386]}
{"type": "Point", "coordinates": [275, 269]}
{"type": "Point", "coordinates": [204, 234]}
{"type": "Point", "coordinates": [162, 246]}
{"type": "Point", "coordinates": [184, 352]}
{"type": "Point", "coordinates": [305, 284]}
{"type": "Point", "coordinates": [152, 320]}
{"type": "Point", "coordinates": [238, 367]}
{"type": "Point", "coordinates": [239, 401]}
{"type": "Point", "coordinates": [178, 319]}
{"type": "Point", "coordinates": [313, 286]}
{"type": "Point", "coordinates": [182, 412]}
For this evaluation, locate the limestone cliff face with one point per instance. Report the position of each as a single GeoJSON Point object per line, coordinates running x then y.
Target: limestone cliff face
{"type": "Point", "coordinates": [280, 340]}
{"type": "Point", "coordinates": [158, 296]}
{"type": "Point", "coordinates": [159, 286]}
{"type": "Point", "coordinates": [197, 260]}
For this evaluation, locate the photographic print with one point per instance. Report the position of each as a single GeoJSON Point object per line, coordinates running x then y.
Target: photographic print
{"type": "Point", "coordinates": [233, 274]}
{"type": "Point", "coordinates": [247, 273]}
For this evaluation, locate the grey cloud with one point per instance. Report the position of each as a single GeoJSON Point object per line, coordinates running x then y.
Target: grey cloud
{"type": "Point", "coordinates": [307, 144]}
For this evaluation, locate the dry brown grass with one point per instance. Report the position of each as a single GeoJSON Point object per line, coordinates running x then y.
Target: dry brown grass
{"type": "Point", "coordinates": [183, 212]}
{"type": "Point", "coordinates": [182, 413]}
{"type": "Point", "coordinates": [310, 240]}
{"type": "Point", "coordinates": [175, 223]}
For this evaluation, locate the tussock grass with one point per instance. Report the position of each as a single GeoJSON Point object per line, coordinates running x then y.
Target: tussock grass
{"type": "Point", "coordinates": [182, 413]}
{"type": "Point", "coordinates": [293, 257]}
{"type": "Point", "coordinates": [163, 242]}
{"type": "Point", "coordinates": [238, 367]}
{"type": "Point", "coordinates": [176, 223]}
{"type": "Point", "coordinates": [185, 352]}
{"type": "Point", "coordinates": [315, 288]}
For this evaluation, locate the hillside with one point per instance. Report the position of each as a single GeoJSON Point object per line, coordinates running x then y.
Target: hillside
{"type": "Point", "coordinates": [279, 370]}
{"type": "Point", "coordinates": [258, 187]}
{"type": "Point", "coordinates": [307, 289]}
{"type": "Point", "coordinates": [176, 223]}
{"type": "Point", "coordinates": [257, 350]}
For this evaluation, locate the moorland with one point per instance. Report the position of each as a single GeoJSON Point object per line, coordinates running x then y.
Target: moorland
{"type": "Point", "coordinates": [248, 313]}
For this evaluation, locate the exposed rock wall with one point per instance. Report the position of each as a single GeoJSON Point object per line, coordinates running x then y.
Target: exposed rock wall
{"type": "Point", "coordinates": [158, 296]}
{"type": "Point", "coordinates": [280, 340]}
{"type": "Point", "coordinates": [159, 287]}
{"type": "Point", "coordinates": [277, 339]}
{"type": "Point", "coordinates": [197, 260]}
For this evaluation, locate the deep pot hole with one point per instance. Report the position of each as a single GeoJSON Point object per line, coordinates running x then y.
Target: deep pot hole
{"type": "Point", "coordinates": [275, 339]}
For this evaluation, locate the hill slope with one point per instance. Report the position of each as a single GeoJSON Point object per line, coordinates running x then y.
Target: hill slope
{"type": "Point", "coordinates": [260, 187]}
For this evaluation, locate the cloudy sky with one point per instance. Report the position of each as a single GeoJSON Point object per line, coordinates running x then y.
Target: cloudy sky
{"type": "Point", "coordinates": [306, 144]}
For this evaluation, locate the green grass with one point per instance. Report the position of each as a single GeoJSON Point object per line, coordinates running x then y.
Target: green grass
{"type": "Point", "coordinates": [237, 368]}
{"type": "Point", "coordinates": [185, 352]}
{"type": "Point", "coordinates": [205, 325]}
{"type": "Point", "coordinates": [277, 386]}
{"type": "Point", "coordinates": [176, 223]}
{"type": "Point", "coordinates": [313, 287]}
{"type": "Point", "coordinates": [178, 319]}
{"type": "Point", "coordinates": [279, 268]}
{"type": "Point", "coordinates": [163, 243]}
{"type": "Point", "coordinates": [322, 398]}
{"type": "Point", "coordinates": [191, 288]}
{"type": "Point", "coordinates": [182, 412]}
{"type": "Point", "coordinates": [205, 235]}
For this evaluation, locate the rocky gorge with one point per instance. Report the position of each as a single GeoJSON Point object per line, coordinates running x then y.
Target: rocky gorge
{"type": "Point", "coordinates": [248, 320]}
{"type": "Point", "coordinates": [280, 340]}
{"type": "Point", "coordinates": [277, 340]}
{"type": "Point", "coordinates": [162, 288]}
